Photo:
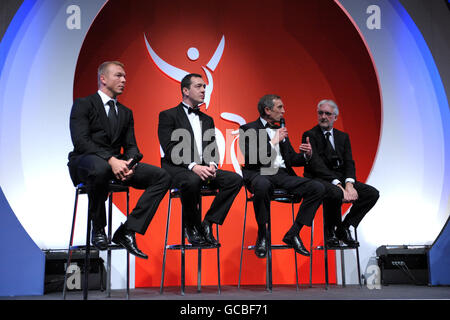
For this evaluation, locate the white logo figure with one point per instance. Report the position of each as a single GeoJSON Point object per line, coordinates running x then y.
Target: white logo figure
{"type": "Point", "coordinates": [193, 54]}
{"type": "Point", "coordinates": [178, 74]}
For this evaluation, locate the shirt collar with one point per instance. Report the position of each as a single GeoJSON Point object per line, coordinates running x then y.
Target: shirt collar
{"type": "Point", "coordinates": [264, 121]}
{"type": "Point", "coordinates": [330, 131]}
{"type": "Point", "coordinates": [105, 98]}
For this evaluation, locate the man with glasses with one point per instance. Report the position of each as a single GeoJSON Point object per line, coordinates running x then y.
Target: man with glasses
{"type": "Point", "coordinates": [333, 166]}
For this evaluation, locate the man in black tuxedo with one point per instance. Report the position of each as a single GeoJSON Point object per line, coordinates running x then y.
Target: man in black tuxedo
{"type": "Point", "coordinates": [102, 131]}
{"type": "Point", "coordinates": [269, 158]}
{"type": "Point", "coordinates": [191, 157]}
{"type": "Point", "coordinates": [334, 167]}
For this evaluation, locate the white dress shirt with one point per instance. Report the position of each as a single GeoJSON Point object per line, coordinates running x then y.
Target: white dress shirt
{"type": "Point", "coordinates": [105, 99]}
{"type": "Point", "coordinates": [336, 181]}
{"type": "Point", "coordinates": [279, 161]}
{"type": "Point", "coordinates": [196, 125]}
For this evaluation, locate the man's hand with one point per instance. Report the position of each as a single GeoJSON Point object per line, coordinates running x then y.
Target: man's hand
{"type": "Point", "coordinates": [306, 148]}
{"type": "Point", "coordinates": [120, 168]}
{"type": "Point", "coordinates": [205, 172]}
{"type": "Point", "coordinates": [350, 193]}
{"type": "Point", "coordinates": [280, 135]}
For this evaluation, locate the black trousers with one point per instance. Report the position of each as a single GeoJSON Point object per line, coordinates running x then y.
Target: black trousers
{"type": "Point", "coordinates": [367, 197]}
{"type": "Point", "coordinates": [95, 172]}
{"type": "Point", "coordinates": [228, 183]}
{"type": "Point", "coordinates": [309, 190]}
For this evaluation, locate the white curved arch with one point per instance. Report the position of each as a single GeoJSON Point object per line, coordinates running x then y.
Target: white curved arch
{"type": "Point", "coordinates": [168, 69]}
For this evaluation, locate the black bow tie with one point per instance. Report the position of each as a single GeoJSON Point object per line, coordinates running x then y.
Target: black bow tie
{"type": "Point", "coordinates": [272, 126]}
{"type": "Point", "coordinates": [193, 110]}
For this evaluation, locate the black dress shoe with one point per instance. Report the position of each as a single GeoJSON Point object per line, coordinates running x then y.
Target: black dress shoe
{"type": "Point", "coordinates": [208, 233]}
{"type": "Point", "coordinates": [261, 246]}
{"type": "Point", "coordinates": [296, 244]}
{"type": "Point", "coordinates": [99, 239]}
{"type": "Point", "coordinates": [127, 239]}
{"type": "Point", "coordinates": [344, 234]}
{"type": "Point", "coordinates": [194, 236]}
{"type": "Point", "coordinates": [331, 239]}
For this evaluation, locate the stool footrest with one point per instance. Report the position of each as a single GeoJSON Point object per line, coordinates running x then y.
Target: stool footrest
{"type": "Point", "coordinates": [110, 247]}
{"type": "Point", "coordinates": [274, 246]}
{"type": "Point", "coordinates": [344, 247]}
{"type": "Point", "coordinates": [191, 247]}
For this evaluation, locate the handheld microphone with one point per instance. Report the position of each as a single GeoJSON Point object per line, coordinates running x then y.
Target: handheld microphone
{"type": "Point", "coordinates": [283, 124]}
{"type": "Point", "coordinates": [138, 157]}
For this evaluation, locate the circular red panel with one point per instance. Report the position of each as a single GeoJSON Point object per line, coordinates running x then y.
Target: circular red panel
{"type": "Point", "coordinates": [304, 51]}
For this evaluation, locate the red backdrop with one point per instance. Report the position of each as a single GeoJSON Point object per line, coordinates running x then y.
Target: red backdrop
{"type": "Point", "coordinates": [303, 51]}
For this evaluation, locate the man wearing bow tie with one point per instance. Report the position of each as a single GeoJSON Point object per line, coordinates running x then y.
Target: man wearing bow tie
{"type": "Point", "coordinates": [191, 157]}
{"type": "Point", "coordinates": [269, 158]}
{"type": "Point", "coordinates": [334, 167]}
{"type": "Point", "coordinates": [102, 131]}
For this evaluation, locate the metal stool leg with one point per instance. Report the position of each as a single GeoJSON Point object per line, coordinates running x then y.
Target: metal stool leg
{"type": "Point", "coordinates": [69, 250]}
{"type": "Point", "coordinates": [218, 259]}
{"type": "Point", "coordinates": [183, 256]}
{"type": "Point", "coordinates": [325, 252]}
{"type": "Point", "coordinates": [269, 256]}
{"type": "Point", "coordinates": [108, 255]}
{"type": "Point", "coordinates": [357, 261]}
{"type": "Point", "coordinates": [87, 258]}
{"type": "Point", "coordinates": [128, 254]}
{"type": "Point", "coordinates": [161, 288]}
{"type": "Point", "coordinates": [295, 253]}
{"type": "Point", "coordinates": [242, 245]}
{"type": "Point", "coordinates": [311, 249]}
{"type": "Point", "coordinates": [343, 267]}
{"type": "Point", "coordinates": [199, 270]}
{"type": "Point", "coordinates": [199, 257]}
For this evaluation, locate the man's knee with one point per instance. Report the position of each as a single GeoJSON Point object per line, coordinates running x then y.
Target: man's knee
{"type": "Point", "coordinates": [261, 186]}
{"type": "Point", "coordinates": [373, 194]}
{"type": "Point", "coordinates": [334, 194]}
{"type": "Point", "coordinates": [317, 188]}
{"type": "Point", "coordinates": [191, 183]}
{"type": "Point", "coordinates": [164, 178]}
{"type": "Point", "coordinates": [236, 180]}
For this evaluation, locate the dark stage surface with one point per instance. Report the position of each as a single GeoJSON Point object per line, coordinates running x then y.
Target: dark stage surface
{"type": "Point", "coordinates": [284, 292]}
{"type": "Point", "coordinates": [250, 302]}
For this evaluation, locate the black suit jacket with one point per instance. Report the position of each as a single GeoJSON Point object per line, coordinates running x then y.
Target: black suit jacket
{"type": "Point", "coordinates": [179, 146]}
{"type": "Point", "coordinates": [322, 164]}
{"type": "Point", "coordinates": [91, 133]}
{"type": "Point", "coordinates": [257, 155]}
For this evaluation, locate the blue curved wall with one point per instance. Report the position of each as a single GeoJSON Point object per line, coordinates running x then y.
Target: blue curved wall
{"type": "Point", "coordinates": [439, 258]}
{"type": "Point", "coordinates": [22, 263]}
{"type": "Point", "coordinates": [22, 266]}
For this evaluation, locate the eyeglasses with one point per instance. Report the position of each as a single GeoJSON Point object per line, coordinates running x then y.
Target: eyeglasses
{"type": "Point", "coordinates": [326, 113]}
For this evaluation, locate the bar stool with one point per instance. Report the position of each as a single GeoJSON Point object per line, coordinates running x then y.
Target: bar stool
{"type": "Point", "coordinates": [173, 194]}
{"type": "Point", "coordinates": [113, 187]}
{"type": "Point", "coordinates": [279, 195]}
{"type": "Point", "coordinates": [342, 247]}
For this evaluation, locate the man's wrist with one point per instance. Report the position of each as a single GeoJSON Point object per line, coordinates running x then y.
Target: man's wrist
{"type": "Point", "coordinates": [192, 165]}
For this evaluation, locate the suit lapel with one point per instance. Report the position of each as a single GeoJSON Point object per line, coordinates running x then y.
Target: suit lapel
{"type": "Point", "coordinates": [100, 108]}
{"type": "Point", "coordinates": [321, 139]}
{"type": "Point", "coordinates": [181, 114]}
{"type": "Point", "coordinates": [186, 124]}
{"type": "Point", "coordinates": [260, 126]}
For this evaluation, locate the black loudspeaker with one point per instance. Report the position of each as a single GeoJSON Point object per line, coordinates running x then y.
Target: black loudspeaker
{"type": "Point", "coordinates": [55, 266]}
{"type": "Point", "coordinates": [403, 264]}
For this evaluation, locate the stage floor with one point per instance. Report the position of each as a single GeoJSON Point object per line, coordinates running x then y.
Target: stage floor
{"type": "Point", "coordinates": [280, 292]}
